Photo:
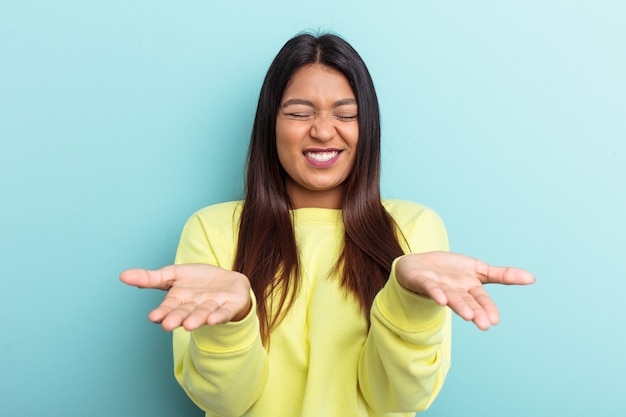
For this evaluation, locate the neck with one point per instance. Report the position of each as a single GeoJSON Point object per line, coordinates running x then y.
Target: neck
{"type": "Point", "coordinates": [303, 198]}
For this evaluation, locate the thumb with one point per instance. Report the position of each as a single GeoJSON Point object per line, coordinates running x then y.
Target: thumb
{"type": "Point", "coordinates": [160, 279]}
{"type": "Point", "coordinates": [503, 275]}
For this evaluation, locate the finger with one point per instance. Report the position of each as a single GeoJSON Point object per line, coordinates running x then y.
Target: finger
{"type": "Point", "coordinates": [168, 305]}
{"type": "Point", "coordinates": [224, 314]}
{"type": "Point", "coordinates": [503, 275]}
{"type": "Point", "coordinates": [176, 317]}
{"type": "Point", "coordinates": [134, 277]}
{"type": "Point", "coordinates": [200, 315]}
{"type": "Point", "coordinates": [481, 321]}
{"type": "Point", "coordinates": [459, 304]}
{"type": "Point", "coordinates": [484, 300]}
{"type": "Point", "coordinates": [431, 289]}
{"type": "Point", "coordinates": [468, 308]}
{"type": "Point", "coordinates": [160, 279]}
{"type": "Point", "coordinates": [479, 316]}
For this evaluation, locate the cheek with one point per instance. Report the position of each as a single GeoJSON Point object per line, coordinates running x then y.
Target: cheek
{"type": "Point", "coordinates": [285, 150]}
{"type": "Point", "coordinates": [351, 137]}
{"type": "Point", "coordinates": [289, 137]}
{"type": "Point", "coordinates": [281, 141]}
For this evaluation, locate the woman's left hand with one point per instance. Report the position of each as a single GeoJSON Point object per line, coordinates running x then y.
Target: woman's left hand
{"type": "Point", "coordinates": [457, 281]}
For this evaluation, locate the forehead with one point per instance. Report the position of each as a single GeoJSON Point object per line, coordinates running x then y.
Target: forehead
{"type": "Point", "coordinates": [318, 81]}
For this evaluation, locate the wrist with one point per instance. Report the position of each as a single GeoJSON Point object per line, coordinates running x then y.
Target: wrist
{"type": "Point", "coordinates": [405, 268]}
{"type": "Point", "coordinates": [244, 311]}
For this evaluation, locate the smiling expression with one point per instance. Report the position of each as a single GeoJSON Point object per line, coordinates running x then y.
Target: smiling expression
{"type": "Point", "coordinates": [316, 136]}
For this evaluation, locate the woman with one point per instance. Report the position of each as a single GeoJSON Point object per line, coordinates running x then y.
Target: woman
{"type": "Point", "coordinates": [312, 297]}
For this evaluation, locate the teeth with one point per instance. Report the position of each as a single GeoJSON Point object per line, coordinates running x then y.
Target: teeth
{"type": "Point", "coordinates": [322, 156]}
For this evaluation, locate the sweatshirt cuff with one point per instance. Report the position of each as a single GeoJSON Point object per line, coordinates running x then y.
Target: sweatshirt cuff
{"type": "Point", "coordinates": [406, 310]}
{"type": "Point", "coordinates": [229, 337]}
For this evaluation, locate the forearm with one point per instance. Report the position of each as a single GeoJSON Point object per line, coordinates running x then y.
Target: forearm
{"type": "Point", "coordinates": [406, 356]}
{"type": "Point", "coordinates": [222, 368]}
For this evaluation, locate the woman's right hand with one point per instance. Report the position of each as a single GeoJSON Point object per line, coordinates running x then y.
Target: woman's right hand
{"type": "Point", "coordinates": [197, 294]}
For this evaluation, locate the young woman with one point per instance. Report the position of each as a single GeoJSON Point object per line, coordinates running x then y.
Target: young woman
{"type": "Point", "coordinates": [311, 296]}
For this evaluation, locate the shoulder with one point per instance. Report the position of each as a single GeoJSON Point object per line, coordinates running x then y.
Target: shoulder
{"type": "Point", "coordinates": [210, 235]}
{"type": "Point", "coordinates": [421, 227]}
{"type": "Point", "coordinates": [221, 216]}
{"type": "Point", "coordinates": [408, 211]}
{"type": "Point", "coordinates": [220, 211]}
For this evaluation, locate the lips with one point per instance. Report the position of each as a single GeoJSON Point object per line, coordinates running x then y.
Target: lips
{"type": "Point", "coordinates": [322, 158]}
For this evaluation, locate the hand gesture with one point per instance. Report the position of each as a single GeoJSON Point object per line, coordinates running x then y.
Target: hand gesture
{"type": "Point", "coordinates": [197, 294]}
{"type": "Point", "coordinates": [457, 281]}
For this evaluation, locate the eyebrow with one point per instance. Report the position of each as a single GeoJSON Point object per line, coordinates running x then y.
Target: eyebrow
{"type": "Point", "coordinates": [304, 102]}
{"type": "Point", "coordinates": [298, 101]}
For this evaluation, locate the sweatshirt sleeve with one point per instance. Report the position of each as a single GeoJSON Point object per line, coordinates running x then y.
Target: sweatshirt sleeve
{"type": "Point", "coordinates": [406, 355]}
{"type": "Point", "coordinates": [222, 368]}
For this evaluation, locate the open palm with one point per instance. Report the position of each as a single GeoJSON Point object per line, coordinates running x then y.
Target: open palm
{"type": "Point", "coordinates": [457, 281]}
{"type": "Point", "coordinates": [197, 294]}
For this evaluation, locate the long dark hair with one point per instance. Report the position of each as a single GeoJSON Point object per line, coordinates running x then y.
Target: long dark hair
{"type": "Point", "coordinates": [266, 249]}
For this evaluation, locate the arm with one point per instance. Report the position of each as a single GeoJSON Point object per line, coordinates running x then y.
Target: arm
{"type": "Point", "coordinates": [406, 356]}
{"type": "Point", "coordinates": [409, 343]}
{"type": "Point", "coordinates": [222, 368]}
{"type": "Point", "coordinates": [218, 356]}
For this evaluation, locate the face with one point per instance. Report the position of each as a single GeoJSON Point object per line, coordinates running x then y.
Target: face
{"type": "Point", "coordinates": [316, 136]}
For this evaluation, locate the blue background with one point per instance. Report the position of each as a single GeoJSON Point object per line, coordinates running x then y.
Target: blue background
{"type": "Point", "coordinates": [119, 119]}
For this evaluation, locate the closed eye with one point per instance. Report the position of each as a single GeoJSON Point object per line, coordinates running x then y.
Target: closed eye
{"type": "Point", "coordinates": [347, 117]}
{"type": "Point", "coordinates": [299, 115]}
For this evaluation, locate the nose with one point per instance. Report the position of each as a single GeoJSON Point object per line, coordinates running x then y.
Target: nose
{"type": "Point", "coordinates": [323, 127]}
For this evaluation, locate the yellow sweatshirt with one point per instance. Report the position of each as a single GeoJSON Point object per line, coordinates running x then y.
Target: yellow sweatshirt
{"type": "Point", "coordinates": [323, 361]}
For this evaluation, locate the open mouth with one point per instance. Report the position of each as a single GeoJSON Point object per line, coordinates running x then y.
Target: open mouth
{"type": "Point", "coordinates": [322, 156]}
